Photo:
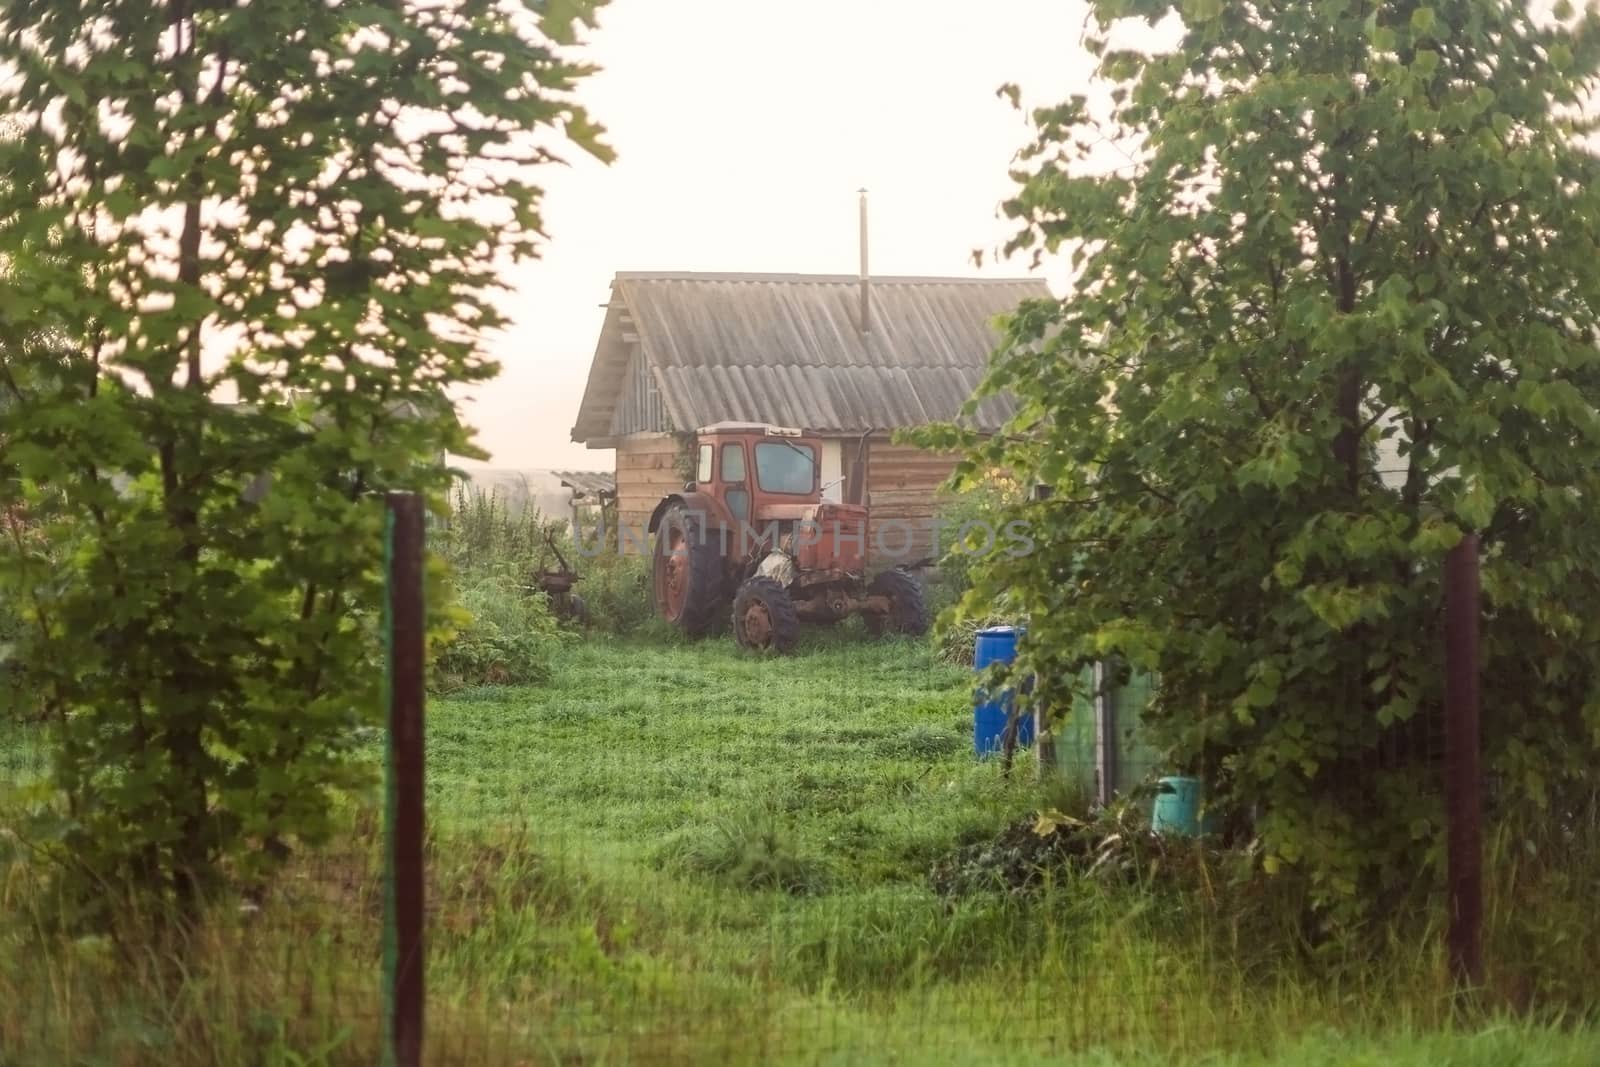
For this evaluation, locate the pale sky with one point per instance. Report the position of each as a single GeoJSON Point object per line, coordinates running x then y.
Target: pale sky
{"type": "Point", "coordinates": [743, 129]}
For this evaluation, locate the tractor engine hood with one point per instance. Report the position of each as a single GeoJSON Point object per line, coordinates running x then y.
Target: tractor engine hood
{"type": "Point", "coordinates": [832, 537]}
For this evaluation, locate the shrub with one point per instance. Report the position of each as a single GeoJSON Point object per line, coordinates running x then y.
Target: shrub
{"type": "Point", "coordinates": [504, 629]}
{"type": "Point", "coordinates": [1264, 436]}
{"type": "Point", "coordinates": [617, 591]}
{"type": "Point", "coordinates": [504, 633]}
{"type": "Point", "coordinates": [491, 545]}
{"type": "Point", "coordinates": [201, 647]}
{"type": "Point", "coordinates": [11, 687]}
{"type": "Point", "coordinates": [988, 502]}
{"type": "Point", "coordinates": [19, 696]}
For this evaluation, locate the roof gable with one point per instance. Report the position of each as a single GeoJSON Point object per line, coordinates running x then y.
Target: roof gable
{"type": "Point", "coordinates": [785, 349]}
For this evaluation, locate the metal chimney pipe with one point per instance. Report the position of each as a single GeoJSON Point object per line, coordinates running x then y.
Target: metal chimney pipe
{"type": "Point", "coordinates": [866, 285]}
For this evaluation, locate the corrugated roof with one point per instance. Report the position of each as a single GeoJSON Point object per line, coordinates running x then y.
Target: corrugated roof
{"type": "Point", "coordinates": [785, 348]}
{"type": "Point", "coordinates": [591, 484]}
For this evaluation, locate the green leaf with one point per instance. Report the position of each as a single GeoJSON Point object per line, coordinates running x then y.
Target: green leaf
{"type": "Point", "coordinates": [1263, 689]}
{"type": "Point", "coordinates": [561, 17]}
{"type": "Point", "coordinates": [587, 134]}
{"type": "Point", "coordinates": [1476, 506]}
{"type": "Point", "coordinates": [1051, 820]}
{"type": "Point", "coordinates": [71, 87]}
{"type": "Point", "coordinates": [120, 203]}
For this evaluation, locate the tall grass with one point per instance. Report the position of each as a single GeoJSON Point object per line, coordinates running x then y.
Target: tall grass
{"type": "Point", "coordinates": [503, 629]}
{"type": "Point", "coordinates": [537, 957]}
{"type": "Point", "coordinates": [488, 540]}
{"type": "Point", "coordinates": [484, 531]}
{"type": "Point", "coordinates": [677, 854]}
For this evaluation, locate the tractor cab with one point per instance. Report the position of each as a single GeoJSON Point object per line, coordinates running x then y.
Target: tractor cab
{"type": "Point", "coordinates": [753, 532]}
{"type": "Point", "coordinates": [766, 482]}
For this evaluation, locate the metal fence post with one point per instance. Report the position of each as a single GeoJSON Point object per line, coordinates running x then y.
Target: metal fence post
{"type": "Point", "coordinates": [404, 632]}
{"type": "Point", "coordinates": [1105, 733]}
{"type": "Point", "coordinates": [1463, 789]}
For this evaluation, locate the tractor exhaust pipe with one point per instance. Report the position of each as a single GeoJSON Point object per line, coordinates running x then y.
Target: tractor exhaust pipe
{"type": "Point", "coordinates": [856, 485]}
{"type": "Point", "coordinates": [864, 321]}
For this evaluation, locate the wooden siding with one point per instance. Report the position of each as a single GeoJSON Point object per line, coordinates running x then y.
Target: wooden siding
{"type": "Point", "coordinates": [639, 408]}
{"type": "Point", "coordinates": [903, 487]}
{"type": "Point", "coordinates": [649, 467]}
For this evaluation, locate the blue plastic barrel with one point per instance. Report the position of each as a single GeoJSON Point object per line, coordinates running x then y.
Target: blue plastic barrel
{"type": "Point", "coordinates": [997, 644]}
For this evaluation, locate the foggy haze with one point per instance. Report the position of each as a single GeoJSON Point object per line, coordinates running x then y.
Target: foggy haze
{"type": "Point", "coordinates": [743, 129]}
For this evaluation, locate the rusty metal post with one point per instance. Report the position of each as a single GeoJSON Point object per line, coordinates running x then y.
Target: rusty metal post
{"type": "Point", "coordinates": [1463, 789]}
{"type": "Point", "coordinates": [405, 684]}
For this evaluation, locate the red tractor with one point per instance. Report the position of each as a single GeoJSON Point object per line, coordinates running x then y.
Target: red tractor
{"type": "Point", "coordinates": [753, 530]}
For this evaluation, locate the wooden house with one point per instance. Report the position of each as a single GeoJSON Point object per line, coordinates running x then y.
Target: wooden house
{"type": "Point", "coordinates": [838, 356]}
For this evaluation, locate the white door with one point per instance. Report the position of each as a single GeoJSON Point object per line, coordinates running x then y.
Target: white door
{"type": "Point", "coordinates": [832, 471]}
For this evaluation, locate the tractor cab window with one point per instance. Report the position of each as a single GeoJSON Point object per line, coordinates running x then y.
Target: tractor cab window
{"type": "Point", "coordinates": [732, 464]}
{"type": "Point", "coordinates": [783, 467]}
{"type": "Point", "coordinates": [702, 470]}
{"type": "Point", "coordinates": [738, 500]}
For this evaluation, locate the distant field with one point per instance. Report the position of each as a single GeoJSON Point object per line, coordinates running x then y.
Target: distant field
{"type": "Point", "coordinates": [685, 854]}
{"type": "Point", "coordinates": [520, 489]}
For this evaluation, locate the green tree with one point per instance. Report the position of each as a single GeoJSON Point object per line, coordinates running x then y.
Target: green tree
{"type": "Point", "coordinates": [1335, 303]}
{"type": "Point", "coordinates": [269, 235]}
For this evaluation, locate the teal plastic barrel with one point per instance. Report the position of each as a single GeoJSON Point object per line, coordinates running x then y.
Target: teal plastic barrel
{"type": "Point", "coordinates": [1177, 809]}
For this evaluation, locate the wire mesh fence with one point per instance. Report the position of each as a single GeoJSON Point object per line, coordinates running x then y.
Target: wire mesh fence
{"type": "Point", "coordinates": [784, 861]}
{"type": "Point", "coordinates": [675, 852]}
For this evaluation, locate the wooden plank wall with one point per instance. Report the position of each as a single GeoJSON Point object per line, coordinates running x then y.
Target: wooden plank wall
{"type": "Point", "coordinates": [902, 485]}
{"type": "Point", "coordinates": [649, 467]}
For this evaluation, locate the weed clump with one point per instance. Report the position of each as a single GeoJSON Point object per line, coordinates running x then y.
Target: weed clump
{"type": "Point", "coordinates": [749, 853]}
{"type": "Point", "coordinates": [504, 634]}
{"type": "Point", "coordinates": [1040, 848]}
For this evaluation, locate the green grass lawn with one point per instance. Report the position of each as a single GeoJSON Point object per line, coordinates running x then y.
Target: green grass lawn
{"type": "Point", "coordinates": [685, 854]}
{"type": "Point", "coordinates": [738, 851]}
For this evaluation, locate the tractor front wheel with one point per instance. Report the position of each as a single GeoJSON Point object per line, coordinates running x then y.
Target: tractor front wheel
{"type": "Point", "coordinates": [688, 574]}
{"type": "Point", "coordinates": [764, 616]}
{"type": "Point", "coordinates": [908, 606]}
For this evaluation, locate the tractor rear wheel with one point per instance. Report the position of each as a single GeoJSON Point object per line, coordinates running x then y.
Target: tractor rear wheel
{"type": "Point", "coordinates": [908, 606]}
{"type": "Point", "coordinates": [764, 616]}
{"type": "Point", "coordinates": [688, 574]}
